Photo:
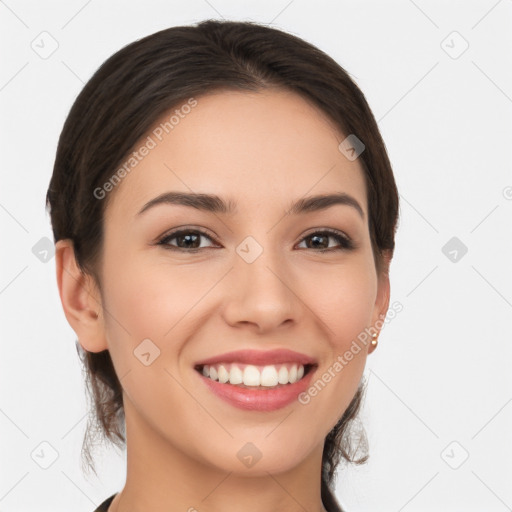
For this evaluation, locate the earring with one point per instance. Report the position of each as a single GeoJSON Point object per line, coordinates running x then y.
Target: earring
{"type": "Point", "coordinates": [375, 341]}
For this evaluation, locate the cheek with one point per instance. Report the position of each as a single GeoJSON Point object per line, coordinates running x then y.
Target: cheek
{"type": "Point", "coordinates": [343, 301]}
{"type": "Point", "coordinates": [145, 301]}
{"type": "Point", "coordinates": [149, 299]}
{"type": "Point", "coordinates": [156, 301]}
{"type": "Point", "coordinates": [343, 298]}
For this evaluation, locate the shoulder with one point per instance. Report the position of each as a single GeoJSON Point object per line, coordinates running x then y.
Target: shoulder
{"type": "Point", "coordinates": [104, 506]}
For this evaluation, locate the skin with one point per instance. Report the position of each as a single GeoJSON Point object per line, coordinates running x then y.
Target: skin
{"type": "Point", "coordinates": [263, 150]}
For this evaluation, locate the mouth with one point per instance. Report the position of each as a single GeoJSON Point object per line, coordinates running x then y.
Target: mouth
{"type": "Point", "coordinates": [258, 380]}
{"type": "Point", "coordinates": [255, 388]}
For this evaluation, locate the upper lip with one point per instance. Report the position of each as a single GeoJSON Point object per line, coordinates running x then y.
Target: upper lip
{"type": "Point", "coordinates": [260, 357]}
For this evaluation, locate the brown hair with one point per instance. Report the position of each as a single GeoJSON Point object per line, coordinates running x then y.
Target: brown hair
{"type": "Point", "coordinates": [125, 97]}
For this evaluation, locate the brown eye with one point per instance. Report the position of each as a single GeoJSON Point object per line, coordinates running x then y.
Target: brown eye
{"type": "Point", "coordinates": [320, 240]}
{"type": "Point", "coordinates": [187, 239]}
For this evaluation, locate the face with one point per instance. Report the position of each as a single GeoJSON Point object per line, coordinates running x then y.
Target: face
{"type": "Point", "coordinates": [261, 276]}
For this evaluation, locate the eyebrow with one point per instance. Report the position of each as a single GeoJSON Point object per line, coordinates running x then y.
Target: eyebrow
{"type": "Point", "coordinates": [215, 204]}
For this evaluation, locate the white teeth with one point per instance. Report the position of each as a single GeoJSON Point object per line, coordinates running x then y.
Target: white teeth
{"type": "Point", "coordinates": [235, 375]}
{"type": "Point", "coordinates": [223, 374]}
{"type": "Point", "coordinates": [269, 376]}
{"type": "Point", "coordinates": [293, 374]}
{"type": "Point", "coordinates": [250, 375]}
{"type": "Point", "coordinates": [283, 375]}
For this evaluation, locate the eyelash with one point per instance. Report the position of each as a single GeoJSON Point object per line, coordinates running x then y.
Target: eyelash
{"type": "Point", "coordinates": [346, 244]}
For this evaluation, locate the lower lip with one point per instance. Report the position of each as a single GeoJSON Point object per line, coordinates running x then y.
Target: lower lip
{"type": "Point", "coordinates": [259, 399]}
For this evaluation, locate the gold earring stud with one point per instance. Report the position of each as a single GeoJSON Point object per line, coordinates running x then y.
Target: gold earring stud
{"type": "Point", "coordinates": [375, 340]}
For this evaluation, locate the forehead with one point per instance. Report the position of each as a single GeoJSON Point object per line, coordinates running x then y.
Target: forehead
{"type": "Point", "coordinates": [258, 149]}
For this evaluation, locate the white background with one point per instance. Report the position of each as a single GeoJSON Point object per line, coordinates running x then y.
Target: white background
{"type": "Point", "coordinates": [441, 372]}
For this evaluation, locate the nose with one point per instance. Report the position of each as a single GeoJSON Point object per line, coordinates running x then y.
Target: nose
{"type": "Point", "coordinates": [261, 294]}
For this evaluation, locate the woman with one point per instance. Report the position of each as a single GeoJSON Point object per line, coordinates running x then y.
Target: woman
{"type": "Point", "coordinates": [224, 213]}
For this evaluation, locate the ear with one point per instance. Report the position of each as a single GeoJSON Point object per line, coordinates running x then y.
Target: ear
{"type": "Point", "coordinates": [383, 297]}
{"type": "Point", "coordinates": [80, 299]}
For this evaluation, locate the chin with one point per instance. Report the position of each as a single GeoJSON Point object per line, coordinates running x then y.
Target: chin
{"type": "Point", "coordinates": [254, 458]}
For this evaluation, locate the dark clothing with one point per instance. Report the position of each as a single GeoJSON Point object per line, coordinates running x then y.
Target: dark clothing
{"type": "Point", "coordinates": [104, 506]}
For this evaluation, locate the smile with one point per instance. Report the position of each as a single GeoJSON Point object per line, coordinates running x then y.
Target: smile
{"type": "Point", "coordinates": [257, 397]}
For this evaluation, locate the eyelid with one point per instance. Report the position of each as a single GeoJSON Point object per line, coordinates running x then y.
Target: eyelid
{"type": "Point", "coordinates": [186, 228]}
{"type": "Point", "coordinates": [331, 231]}
{"type": "Point", "coordinates": [177, 231]}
